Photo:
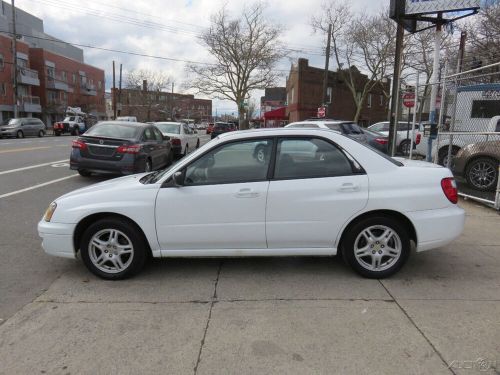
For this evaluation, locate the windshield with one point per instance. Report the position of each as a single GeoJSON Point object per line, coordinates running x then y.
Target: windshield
{"type": "Point", "coordinates": [169, 128]}
{"type": "Point", "coordinates": [113, 130]}
{"type": "Point", "coordinates": [14, 121]}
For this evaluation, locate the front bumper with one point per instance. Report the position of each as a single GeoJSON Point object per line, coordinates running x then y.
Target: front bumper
{"type": "Point", "coordinates": [436, 228]}
{"type": "Point", "coordinates": [57, 238]}
{"type": "Point", "coordinates": [8, 132]}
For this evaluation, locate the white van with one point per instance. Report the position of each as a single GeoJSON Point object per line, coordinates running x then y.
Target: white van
{"type": "Point", "coordinates": [127, 118]}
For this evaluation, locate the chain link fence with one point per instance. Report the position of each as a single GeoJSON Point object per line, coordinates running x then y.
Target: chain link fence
{"type": "Point", "coordinates": [468, 140]}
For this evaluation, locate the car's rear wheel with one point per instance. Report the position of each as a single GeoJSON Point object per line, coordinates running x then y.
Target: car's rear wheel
{"type": "Point", "coordinates": [198, 144]}
{"type": "Point", "coordinates": [113, 249]}
{"type": "Point", "coordinates": [376, 247]}
{"type": "Point", "coordinates": [57, 133]}
{"type": "Point", "coordinates": [482, 173]}
{"type": "Point", "coordinates": [41, 133]}
{"type": "Point", "coordinates": [186, 150]}
{"type": "Point", "coordinates": [84, 173]}
{"type": "Point", "coordinates": [404, 147]}
{"type": "Point", "coordinates": [20, 134]}
{"type": "Point", "coordinates": [443, 155]}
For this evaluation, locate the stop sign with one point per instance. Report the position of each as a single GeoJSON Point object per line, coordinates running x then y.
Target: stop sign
{"type": "Point", "coordinates": [321, 112]}
{"type": "Point", "coordinates": [409, 100]}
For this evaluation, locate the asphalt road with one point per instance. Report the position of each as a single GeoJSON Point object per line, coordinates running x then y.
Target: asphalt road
{"type": "Point", "coordinates": [439, 315]}
{"type": "Point", "coordinates": [40, 165]}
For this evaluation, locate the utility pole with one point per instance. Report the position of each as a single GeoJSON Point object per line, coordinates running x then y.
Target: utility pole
{"type": "Point", "coordinates": [433, 83]}
{"type": "Point", "coordinates": [120, 92]}
{"type": "Point", "coordinates": [395, 89]}
{"type": "Point", "coordinates": [14, 53]}
{"type": "Point", "coordinates": [327, 62]}
{"type": "Point", "coordinates": [172, 104]}
{"type": "Point", "coordinates": [114, 92]}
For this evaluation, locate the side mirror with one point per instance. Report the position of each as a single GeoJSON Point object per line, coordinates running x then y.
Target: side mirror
{"type": "Point", "coordinates": [178, 178]}
{"type": "Point", "coordinates": [166, 138]}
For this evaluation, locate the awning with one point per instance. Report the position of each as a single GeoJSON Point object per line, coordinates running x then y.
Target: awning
{"type": "Point", "coordinates": [277, 114]}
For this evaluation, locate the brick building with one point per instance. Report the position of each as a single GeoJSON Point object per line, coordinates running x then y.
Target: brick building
{"type": "Point", "coordinates": [305, 94]}
{"type": "Point", "coordinates": [274, 98]}
{"type": "Point", "coordinates": [65, 82]}
{"type": "Point", "coordinates": [27, 78]}
{"type": "Point", "coordinates": [51, 75]}
{"type": "Point", "coordinates": [162, 106]}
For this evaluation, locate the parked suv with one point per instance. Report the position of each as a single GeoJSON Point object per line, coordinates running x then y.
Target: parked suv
{"type": "Point", "coordinates": [22, 127]}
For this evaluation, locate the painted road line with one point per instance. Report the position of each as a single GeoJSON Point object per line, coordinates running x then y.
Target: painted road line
{"type": "Point", "coordinates": [32, 166]}
{"type": "Point", "coordinates": [24, 149]}
{"type": "Point", "coordinates": [36, 186]}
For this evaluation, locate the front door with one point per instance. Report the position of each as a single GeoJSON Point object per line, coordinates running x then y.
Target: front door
{"type": "Point", "coordinates": [222, 203]}
{"type": "Point", "coordinates": [316, 189]}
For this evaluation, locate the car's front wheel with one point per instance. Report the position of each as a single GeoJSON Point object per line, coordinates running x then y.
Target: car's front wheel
{"type": "Point", "coordinates": [113, 249]}
{"type": "Point", "coordinates": [376, 247]}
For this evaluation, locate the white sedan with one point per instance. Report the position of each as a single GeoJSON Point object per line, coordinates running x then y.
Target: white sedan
{"type": "Point", "coordinates": [182, 137]}
{"type": "Point", "coordinates": [311, 192]}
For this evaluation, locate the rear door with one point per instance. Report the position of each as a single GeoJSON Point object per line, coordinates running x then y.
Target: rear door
{"type": "Point", "coordinates": [150, 146]}
{"type": "Point", "coordinates": [316, 189]}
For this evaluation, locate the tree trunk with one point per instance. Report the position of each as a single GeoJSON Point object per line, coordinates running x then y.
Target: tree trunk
{"type": "Point", "coordinates": [241, 119]}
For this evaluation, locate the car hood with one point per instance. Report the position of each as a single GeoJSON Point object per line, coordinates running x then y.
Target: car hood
{"type": "Point", "coordinates": [416, 163]}
{"type": "Point", "coordinates": [115, 185]}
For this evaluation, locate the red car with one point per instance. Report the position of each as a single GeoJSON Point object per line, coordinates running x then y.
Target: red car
{"type": "Point", "coordinates": [210, 128]}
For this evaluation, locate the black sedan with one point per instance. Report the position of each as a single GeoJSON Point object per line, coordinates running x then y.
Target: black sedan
{"type": "Point", "coordinates": [121, 148]}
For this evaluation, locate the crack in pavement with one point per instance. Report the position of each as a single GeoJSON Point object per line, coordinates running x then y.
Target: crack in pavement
{"type": "Point", "coordinates": [418, 328]}
{"type": "Point", "coordinates": [213, 302]}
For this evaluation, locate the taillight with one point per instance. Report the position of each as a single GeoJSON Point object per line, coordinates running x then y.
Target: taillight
{"type": "Point", "coordinates": [175, 141]}
{"type": "Point", "coordinates": [449, 186]}
{"type": "Point", "coordinates": [79, 144]}
{"type": "Point", "coordinates": [417, 139]}
{"type": "Point", "coordinates": [128, 149]}
{"type": "Point", "coordinates": [382, 141]}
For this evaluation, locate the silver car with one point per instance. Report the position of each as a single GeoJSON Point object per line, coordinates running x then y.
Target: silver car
{"type": "Point", "coordinates": [22, 127]}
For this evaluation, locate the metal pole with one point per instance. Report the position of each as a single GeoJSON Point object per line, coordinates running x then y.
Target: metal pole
{"type": "Point", "coordinates": [395, 88]}
{"type": "Point", "coordinates": [441, 112]}
{"type": "Point", "coordinates": [327, 62]}
{"type": "Point", "coordinates": [433, 82]}
{"type": "Point", "coordinates": [114, 92]}
{"type": "Point", "coordinates": [14, 53]}
{"type": "Point", "coordinates": [497, 195]}
{"type": "Point", "coordinates": [120, 92]}
{"type": "Point", "coordinates": [414, 115]}
{"type": "Point", "coordinates": [454, 116]}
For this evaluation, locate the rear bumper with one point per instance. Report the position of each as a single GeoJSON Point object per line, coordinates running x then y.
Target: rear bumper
{"type": "Point", "coordinates": [57, 238]}
{"type": "Point", "coordinates": [177, 149]}
{"type": "Point", "coordinates": [127, 165]}
{"type": "Point", "coordinates": [436, 228]}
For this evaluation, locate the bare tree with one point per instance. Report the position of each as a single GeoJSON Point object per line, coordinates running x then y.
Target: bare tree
{"type": "Point", "coordinates": [246, 51]}
{"type": "Point", "coordinates": [145, 84]}
{"type": "Point", "coordinates": [358, 40]}
{"type": "Point", "coordinates": [252, 109]}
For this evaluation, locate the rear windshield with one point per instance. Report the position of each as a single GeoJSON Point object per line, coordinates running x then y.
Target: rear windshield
{"type": "Point", "coordinates": [112, 130]}
{"type": "Point", "coordinates": [222, 126]}
{"type": "Point", "coordinates": [169, 128]}
{"type": "Point", "coordinates": [386, 157]}
{"type": "Point", "coordinates": [351, 128]}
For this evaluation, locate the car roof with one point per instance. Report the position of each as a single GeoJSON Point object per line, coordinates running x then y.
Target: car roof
{"type": "Point", "coordinates": [125, 123]}
{"type": "Point", "coordinates": [168, 122]}
{"type": "Point", "coordinates": [277, 132]}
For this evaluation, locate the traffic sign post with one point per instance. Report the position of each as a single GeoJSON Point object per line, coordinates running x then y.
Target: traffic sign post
{"type": "Point", "coordinates": [409, 100]}
{"type": "Point", "coordinates": [322, 112]}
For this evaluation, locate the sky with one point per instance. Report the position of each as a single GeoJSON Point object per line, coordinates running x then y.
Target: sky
{"type": "Point", "coordinates": [169, 28]}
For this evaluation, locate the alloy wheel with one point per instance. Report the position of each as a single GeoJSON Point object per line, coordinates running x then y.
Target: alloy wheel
{"type": "Point", "coordinates": [111, 251]}
{"type": "Point", "coordinates": [377, 248]}
{"type": "Point", "coordinates": [482, 175]}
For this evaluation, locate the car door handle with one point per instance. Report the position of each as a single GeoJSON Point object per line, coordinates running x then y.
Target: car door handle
{"type": "Point", "coordinates": [246, 193]}
{"type": "Point", "coordinates": [348, 186]}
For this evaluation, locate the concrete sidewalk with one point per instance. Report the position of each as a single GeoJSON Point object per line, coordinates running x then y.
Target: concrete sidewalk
{"type": "Point", "coordinates": [440, 314]}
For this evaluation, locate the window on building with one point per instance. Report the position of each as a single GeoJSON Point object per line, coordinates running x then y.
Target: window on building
{"type": "Point", "coordinates": [22, 63]}
{"type": "Point", "coordinates": [329, 93]}
{"type": "Point", "coordinates": [74, 78]}
{"type": "Point", "coordinates": [52, 96]}
{"type": "Point", "coordinates": [3, 89]}
{"type": "Point", "coordinates": [99, 85]}
{"type": "Point", "coordinates": [64, 76]}
{"type": "Point", "coordinates": [64, 96]}
{"type": "Point", "coordinates": [369, 100]}
{"type": "Point", "coordinates": [381, 103]}
{"type": "Point", "coordinates": [83, 80]}
{"type": "Point", "coordinates": [1, 61]}
{"type": "Point", "coordinates": [51, 72]}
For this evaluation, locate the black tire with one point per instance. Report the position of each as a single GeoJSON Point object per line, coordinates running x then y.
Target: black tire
{"type": "Point", "coordinates": [488, 181]}
{"type": "Point", "coordinates": [356, 230]}
{"type": "Point", "coordinates": [170, 158]}
{"type": "Point", "coordinates": [404, 147]}
{"type": "Point", "coordinates": [139, 244]}
{"type": "Point", "coordinates": [84, 173]}
{"type": "Point", "coordinates": [186, 150]}
{"type": "Point", "coordinates": [57, 134]}
{"type": "Point", "coordinates": [41, 133]}
{"type": "Point", "coordinates": [148, 166]}
{"type": "Point", "coordinates": [443, 154]}
{"type": "Point", "coordinates": [198, 144]}
{"type": "Point", "coordinates": [19, 134]}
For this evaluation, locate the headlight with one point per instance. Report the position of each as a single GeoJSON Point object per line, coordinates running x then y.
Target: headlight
{"type": "Point", "coordinates": [50, 211]}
